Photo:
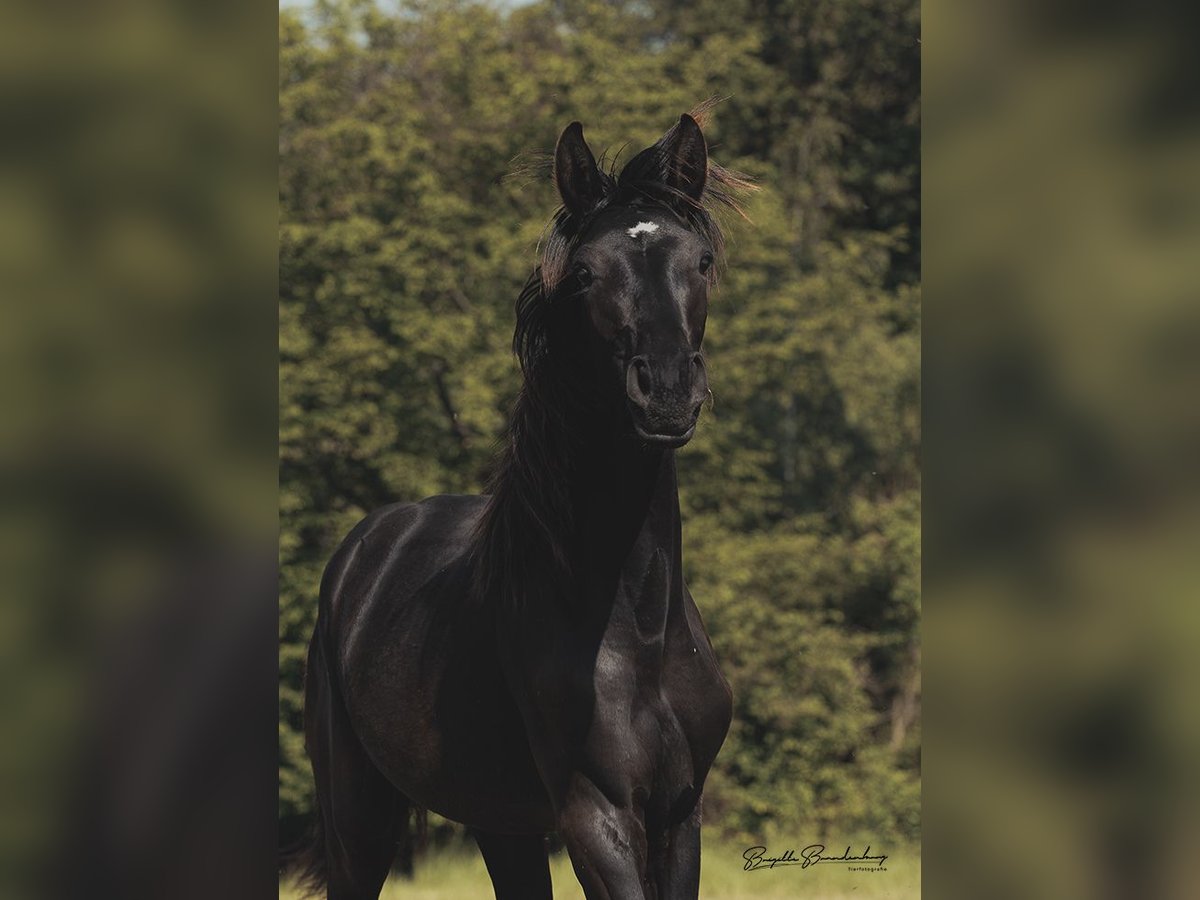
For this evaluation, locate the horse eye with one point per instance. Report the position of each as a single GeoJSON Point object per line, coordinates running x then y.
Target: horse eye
{"type": "Point", "coordinates": [706, 262]}
{"type": "Point", "coordinates": [583, 275]}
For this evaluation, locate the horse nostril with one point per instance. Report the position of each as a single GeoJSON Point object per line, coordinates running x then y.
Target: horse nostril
{"type": "Point", "coordinates": [638, 381]}
{"type": "Point", "coordinates": [697, 360]}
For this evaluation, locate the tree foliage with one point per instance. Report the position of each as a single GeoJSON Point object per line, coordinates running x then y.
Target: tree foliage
{"type": "Point", "coordinates": [405, 238]}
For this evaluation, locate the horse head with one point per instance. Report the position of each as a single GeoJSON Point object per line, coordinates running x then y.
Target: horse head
{"type": "Point", "coordinates": [629, 262]}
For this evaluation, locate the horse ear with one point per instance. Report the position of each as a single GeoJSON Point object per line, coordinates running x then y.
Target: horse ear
{"type": "Point", "coordinates": [575, 172]}
{"type": "Point", "coordinates": [686, 157]}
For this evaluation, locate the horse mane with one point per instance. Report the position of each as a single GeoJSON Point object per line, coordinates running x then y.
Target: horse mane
{"type": "Point", "coordinates": [520, 544]}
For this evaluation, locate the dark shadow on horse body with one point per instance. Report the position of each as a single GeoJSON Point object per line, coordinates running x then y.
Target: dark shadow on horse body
{"type": "Point", "coordinates": [531, 660]}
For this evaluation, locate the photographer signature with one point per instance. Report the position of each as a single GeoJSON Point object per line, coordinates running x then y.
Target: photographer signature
{"type": "Point", "coordinates": [756, 858]}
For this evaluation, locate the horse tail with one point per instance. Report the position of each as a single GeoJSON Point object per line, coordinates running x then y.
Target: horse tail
{"type": "Point", "coordinates": [382, 821]}
{"type": "Point", "coordinates": [411, 838]}
{"type": "Point", "coordinates": [306, 859]}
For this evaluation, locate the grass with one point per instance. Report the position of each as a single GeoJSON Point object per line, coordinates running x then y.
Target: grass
{"type": "Point", "coordinates": [459, 875]}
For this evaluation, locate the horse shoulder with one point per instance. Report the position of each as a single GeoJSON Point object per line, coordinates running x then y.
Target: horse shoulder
{"type": "Point", "coordinates": [390, 554]}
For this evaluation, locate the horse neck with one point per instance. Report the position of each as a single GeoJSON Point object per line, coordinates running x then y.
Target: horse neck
{"type": "Point", "coordinates": [626, 510]}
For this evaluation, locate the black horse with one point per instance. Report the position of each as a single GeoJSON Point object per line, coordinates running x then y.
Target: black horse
{"type": "Point", "coordinates": [531, 660]}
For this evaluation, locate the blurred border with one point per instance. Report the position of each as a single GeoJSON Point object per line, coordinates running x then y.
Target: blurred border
{"type": "Point", "coordinates": [138, 270]}
{"type": "Point", "coordinates": [1061, 168]}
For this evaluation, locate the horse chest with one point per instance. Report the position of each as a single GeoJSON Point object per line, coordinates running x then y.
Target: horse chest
{"type": "Point", "coordinates": [636, 737]}
{"type": "Point", "coordinates": [644, 727]}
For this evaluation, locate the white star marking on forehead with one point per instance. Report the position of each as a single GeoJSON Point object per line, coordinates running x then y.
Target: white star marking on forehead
{"type": "Point", "coordinates": [642, 227]}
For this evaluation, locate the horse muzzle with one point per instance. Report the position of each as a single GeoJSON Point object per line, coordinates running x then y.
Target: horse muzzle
{"type": "Point", "coordinates": [664, 397]}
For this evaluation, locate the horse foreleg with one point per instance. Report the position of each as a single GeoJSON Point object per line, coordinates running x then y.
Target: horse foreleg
{"type": "Point", "coordinates": [678, 868]}
{"type": "Point", "coordinates": [606, 842]}
{"type": "Point", "coordinates": [517, 864]}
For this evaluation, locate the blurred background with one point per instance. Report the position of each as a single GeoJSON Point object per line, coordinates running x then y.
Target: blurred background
{"type": "Point", "coordinates": [410, 213]}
